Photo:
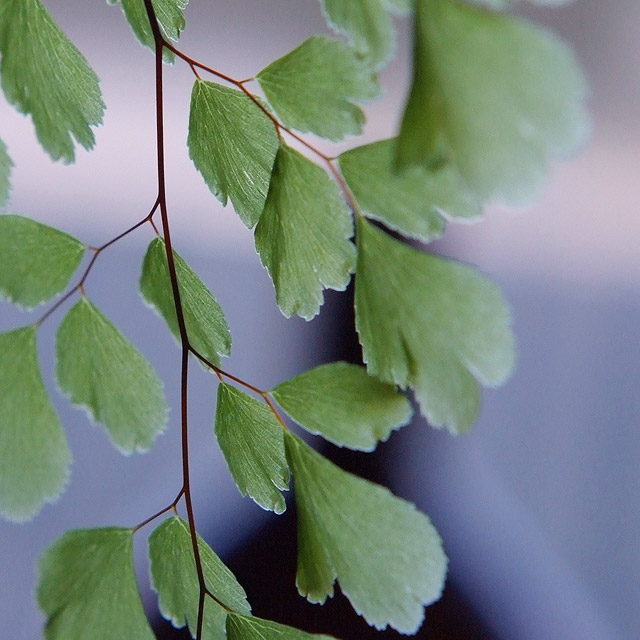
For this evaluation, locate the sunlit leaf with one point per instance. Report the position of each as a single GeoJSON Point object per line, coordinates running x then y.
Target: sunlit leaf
{"type": "Point", "coordinates": [88, 587]}
{"type": "Point", "coordinates": [366, 23]}
{"type": "Point", "coordinates": [496, 95]}
{"type": "Point", "coordinates": [413, 201]}
{"type": "Point", "coordinates": [251, 440]}
{"type": "Point", "coordinates": [34, 456]}
{"type": "Point", "coordinates": [344, 404]}
{"type": "Point", "coordinates": [431, 324]}
{"type": "Point", "coordinates": [169, 14]}
{"type": "Point", "coordinates": [101, 371]}
{"type": "Point", "coordinates": [308, 98]}
{"type": "Point", "coordinates": [36, 261]}
{"type": "Point", "coordinates": [43, 74]}
{"type": "Point", "coordinates": [245, 628]}
{"type": "Point", "coordinates": [233, 144]}
{"type": "Point", "coordinates": [386, 555]}
{"type": "Point", "coordinates": [206, 325]}
{"type": "Point", "coordinates": [303, 235]}
{"type": "Point", "coordinates": [175, 579]}
{"type": "Point", "coordinates": [5, 174]}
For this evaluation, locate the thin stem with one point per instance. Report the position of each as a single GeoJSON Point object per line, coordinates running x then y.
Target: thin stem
{"type": "Point", "coordinates": [96, 252]}
{"type": "Point", "coordinates": [269, 402]}
{"type": "Point", "coordinates": [330, 161]}
{"type": "Point", "coordinates": [222, 373]}
{"type": "Point", "coordinates": [226, 374]}
{"type": "Point", "coordinates": [160, 44]}
{"type": "Point", "coordinates": [194, 63]}
{"type": "Point", "coordinates": [161, 512]}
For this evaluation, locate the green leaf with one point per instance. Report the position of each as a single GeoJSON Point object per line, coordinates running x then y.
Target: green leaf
{"type": "Point", "coordinates": [367, 25]}
{"type": "Point", "coordinates": [34, 455]}
{"type": "Point", "coordinates": [36, 261]}
{"type": "Point", "coordinates": [169, 14]}
{"type": "Point", "coordinates": [233, 144]}
{"type": "Point", "coordinates": [251, 440]}
{"type": "Point", "coordinates": [100, 370]}
{"type": "Point", "coordinates": [308, 98]}
{"type": "Point", "coordinates": [431, 324]}
{"type": "Point", "coordinates": [175, 580]}
{"type": "Point", "coordinates": [45, 75]}
{"type": "Point", "coordinates": [303, 234]}
{"type": "Point", "coordinates": [88, 587]}
{"type": "Point", "coordinates": [5, 174]}
{"type": "Point", "coordinates": [206, 325]}
{"type": "Point", "coordinates": [414, 201]}
{"type": "Point", "coordinates": [344, 404]}
{"type": "Point", "coordinates": [498, 96]}
{"type": "Point", "coordinates": [386, 555]}
{"type": "Point", "coordinates": [244, 628]}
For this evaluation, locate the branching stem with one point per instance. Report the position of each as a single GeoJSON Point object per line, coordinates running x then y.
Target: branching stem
{"type": "Point", "coordinates": [221, 373]}
{"type": "Point", "coordinates": [160, 204]}
{"type": "Point", "coordinates": [161, 512]}
{"type": "Point", "coordinates": [96, 252]}
{"type": "Point", "coordinates": [329, 161]}
{"type": "Point", "coordinates": [160, 43]}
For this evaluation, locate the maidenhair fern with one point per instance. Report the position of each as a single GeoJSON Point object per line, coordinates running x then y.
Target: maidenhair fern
{"type": "Point", "coordinates": [493, 100]}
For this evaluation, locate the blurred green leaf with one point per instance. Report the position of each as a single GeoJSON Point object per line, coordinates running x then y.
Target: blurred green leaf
{"type": "Point", "coordinates": [303, 234]}
{"type": "Point", "coordinates": [415, 201]}
{"type": "Point", "coordinates": [251, 440]}
{"type": "Point", "coordinates": [101, 371]}
{"type": "Point", "coordinates": [233, 144]}
{"type": "Point", "coordinates": [367, 25]}
{"type": "Point", "coordinates": [5, 174]}
{"type": "Point", "coordinates": [244, 628]}
{"type": "Point", "coordinates": [308, 98]}
{"type": "Point", "coordinates": [88, 587]}
{"type": "Point", "coordinates": [505, 4]}
{"type": "Point", "coordinates": [169, 14]}
{"type": "Point", "coordinates": [344, 404]}
{"type": "Point", "coordinates": [386, 555]}
{"type": "Point", "coordinates": [43, 74]}
{"type": "Point", "coordinates": [431, 324]}
{"type": "Point", "coordinates": [494, 94]}
{"type": "Point", "coordinates": [175, 579]}
{"type": "Point", "coordinates": [34, 455]}
{"type": "Point", "coordinates": [36, 261]}
{"type": "Point", "coordinates": [400, 6]}
{"type": "Point", "coordinates": [207, 327]}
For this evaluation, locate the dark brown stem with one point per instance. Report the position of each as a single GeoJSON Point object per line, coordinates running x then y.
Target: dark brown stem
{"type": "Point", "coordinates": [160, 44]}
{"type": "Point", "coordinates": [160, 513]}
{"type": "Point", "coordinates": [221, 373]}
{"type": "Point", "coordinates": [96, 252]}
{"type": "Point", "coordinates": [330, 161]}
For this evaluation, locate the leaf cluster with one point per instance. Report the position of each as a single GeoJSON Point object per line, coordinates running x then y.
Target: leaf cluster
{"type": "Point", "coordinates": [492, 101]}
